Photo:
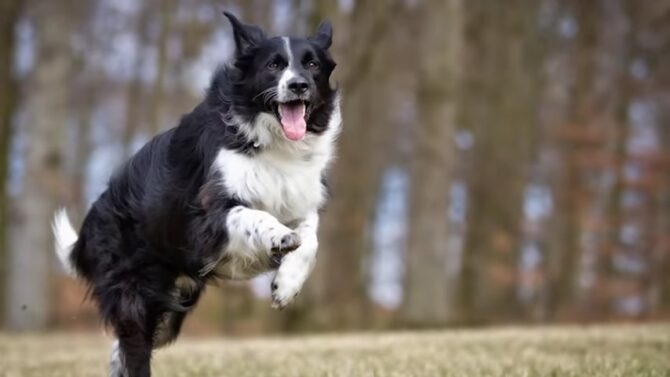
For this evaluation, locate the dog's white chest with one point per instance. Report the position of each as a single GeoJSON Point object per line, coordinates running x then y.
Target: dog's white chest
{"type": "Point", "coordinates": [286, 187]}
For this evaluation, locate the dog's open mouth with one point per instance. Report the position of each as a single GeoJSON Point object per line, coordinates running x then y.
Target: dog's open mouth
{"type": "Point", "coordinates": [293, 118]}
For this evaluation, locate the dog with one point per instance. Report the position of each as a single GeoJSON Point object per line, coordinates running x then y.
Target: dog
{"type": "Point", "coordinates": [233, 191]}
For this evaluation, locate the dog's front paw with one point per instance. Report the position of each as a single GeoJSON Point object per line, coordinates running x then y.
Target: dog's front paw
{"type": "Point", "coordinates": [285, 243]}
{"type": "Point", "coordinates": [290, 277]}
{"type": "Point", "coordinates": [277, 238]}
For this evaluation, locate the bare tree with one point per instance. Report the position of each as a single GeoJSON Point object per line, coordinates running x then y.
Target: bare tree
{"type": "Point", "coordinates": [28, 304]}
{"type": "Point", "coordinates": [135, 91]}
{"type": "Point", "coordinates": [586, 219]}
{"type": "Point", "coordinates": [9, 14]}
{"type": "Point", "coordinates": [604, 108]}
{"type": "Point", "coordinates": [165, 23]}
{"type": "Point", "coordinates": [649, 39]}
{"type": "Point", "coordinates": [500, 111]}
{"type": "Point", "coordinates": [429, 292]}
{"type": "Point", "coordinates": [557, 80]}
{"type": "Point", "coordinates": [339, 297]}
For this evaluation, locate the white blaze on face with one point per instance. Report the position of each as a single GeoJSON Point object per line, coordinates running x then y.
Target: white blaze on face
{"type": "Point", "coordinates": [292, 115]}
{"type": "Point", "coordinates": [288, 74]}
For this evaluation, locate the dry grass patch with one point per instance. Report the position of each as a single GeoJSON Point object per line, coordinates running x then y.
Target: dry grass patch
{"type": "Point", "coordinates": [607, 351]}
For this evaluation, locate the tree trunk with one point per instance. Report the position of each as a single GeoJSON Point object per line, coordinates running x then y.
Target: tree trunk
{"type": "Point", "coordinates": [82, 153]}
{"type": "Point", "coordinates": [29, 265]}
{"type": "Point", "coordinates": [558, 79]}
{"type": "Point", "coordinates": [661, 290]}
{"type": "Point", "coordinates": [429, 293]}
{"type": "Point", "coordinates": [9, 14]}
{"type": "Point", "coordinates": [602, 112]}
{"type": "Point", "coordinates": [158, 97]}
{"type": "Point", "coordinates": [562, 257]}
{"type": "Point", "coordinates": [134, 93]}
{"type": "Point", "coordinates": [338, 291]}
{"type": "Point", "coordinates": [652, 217]}
{"type": "Point", "coordinates": [500, 111]}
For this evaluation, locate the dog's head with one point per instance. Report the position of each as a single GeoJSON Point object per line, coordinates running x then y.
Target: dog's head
{"type": "Point", "coordinates": [284, 77]}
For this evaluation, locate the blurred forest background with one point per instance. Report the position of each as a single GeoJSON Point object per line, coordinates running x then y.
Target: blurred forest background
{"type": "Point", "coordinates": [501, 161]}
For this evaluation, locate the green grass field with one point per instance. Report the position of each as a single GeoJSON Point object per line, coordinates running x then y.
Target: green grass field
{"type": "Point", "coordinates": [608, 351]}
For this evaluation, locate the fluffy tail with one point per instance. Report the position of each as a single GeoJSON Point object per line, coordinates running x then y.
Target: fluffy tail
{"type": "Point", "coordinates": [65, 237]}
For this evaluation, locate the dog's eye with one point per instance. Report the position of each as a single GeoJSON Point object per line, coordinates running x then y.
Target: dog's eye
{"type": "Point", "coordinates": [312, 64]}
{"type": "Point", "coordinates": [273, 66]}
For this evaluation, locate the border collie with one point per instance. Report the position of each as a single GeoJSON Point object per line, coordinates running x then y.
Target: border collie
{"type": "Point", "coordinates": [233, 191]}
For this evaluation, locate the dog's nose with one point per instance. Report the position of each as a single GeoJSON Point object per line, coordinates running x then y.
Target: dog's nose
{"type": "Point", "coordinates": [298, 85]}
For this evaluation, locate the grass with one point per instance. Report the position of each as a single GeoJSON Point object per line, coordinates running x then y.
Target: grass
{"type": "Point", "coordinates": [608, 351]}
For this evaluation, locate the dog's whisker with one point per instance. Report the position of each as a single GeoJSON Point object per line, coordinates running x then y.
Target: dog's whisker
{"type": "Point", "coordinates": [264, 93]}
{"type": "Point", "coordinates": [269, 99]}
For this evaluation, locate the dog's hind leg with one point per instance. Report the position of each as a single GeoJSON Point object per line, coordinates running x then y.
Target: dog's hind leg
{"type": "Point", "coordinates": [186, 295]}
{"type": "Point", "coordinates": [135, 346]}
{"type": "Point", "coordinates": [131, 353]}
{"type": "Point", "coordinates": [133, 309]}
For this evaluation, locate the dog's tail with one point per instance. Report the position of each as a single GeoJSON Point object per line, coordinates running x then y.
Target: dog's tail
{"type": "Point", "coordinates": [65, 237]}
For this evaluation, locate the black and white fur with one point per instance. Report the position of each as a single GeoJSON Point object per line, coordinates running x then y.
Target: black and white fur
{"type": "Point", "coordinates": [226, 194]}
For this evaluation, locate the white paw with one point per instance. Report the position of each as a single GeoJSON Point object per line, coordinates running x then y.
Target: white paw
{"type": "Point", "coordinates": [286, 242]}
{"type": "Point", "coordinates": [276, 237]}
{"type": "Point", "coordinates": [291, 275]}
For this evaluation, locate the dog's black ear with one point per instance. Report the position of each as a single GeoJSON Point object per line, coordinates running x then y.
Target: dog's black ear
{"type": "Point", "coordinates": [246, 36]}
{"type": "Point", "coordinates": [324, 35]}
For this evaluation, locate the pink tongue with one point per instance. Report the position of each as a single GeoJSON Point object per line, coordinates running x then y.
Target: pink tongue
{"type": "Point", "coordinates": [293, 120]}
